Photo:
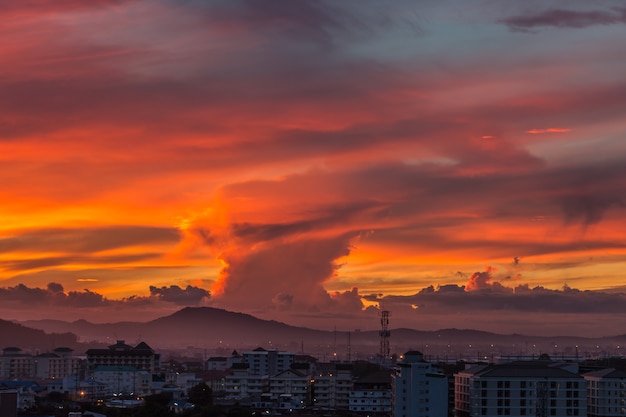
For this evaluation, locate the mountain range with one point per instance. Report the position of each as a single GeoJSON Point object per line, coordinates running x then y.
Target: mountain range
{"type": "Point", "coordinates": [221, 331]}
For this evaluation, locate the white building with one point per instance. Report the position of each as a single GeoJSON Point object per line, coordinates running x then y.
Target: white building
{"type": "Point", "coordinates": [268, 362]}
{"type": "Point", "coordinates": [606, 393]}
{"type": "Point", "coordinates": [293, 386]}
{"type": "Point", "coordinates": [418, 388]}
{"type": "Point", "coordinates": [331, 386]}
{"type": "Point", "coordinates": [56, 364]}
{"type": "Point", "coordinates": [240, 384]}
{"type": "Point", "coordinates": [522, 388]}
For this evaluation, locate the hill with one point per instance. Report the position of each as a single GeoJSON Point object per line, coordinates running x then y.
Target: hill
{"type": "Point", "coordinates": [220, 331]}
{"type": "Point", "coordinates": [17, 335]}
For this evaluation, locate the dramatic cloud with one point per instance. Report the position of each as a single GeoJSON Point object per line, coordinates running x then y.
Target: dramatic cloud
{"type": "Point", "coordinates": [298, 156]}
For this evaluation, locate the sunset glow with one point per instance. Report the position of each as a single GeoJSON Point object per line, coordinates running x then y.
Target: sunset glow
{"type": "Point", "coordinates": [308, 160]}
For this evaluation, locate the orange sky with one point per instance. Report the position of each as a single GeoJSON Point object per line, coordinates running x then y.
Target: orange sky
{"type": "Point", "coordinates": [303, 160]}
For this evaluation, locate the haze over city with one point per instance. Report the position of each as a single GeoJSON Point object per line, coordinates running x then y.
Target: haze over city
{"type": "Point", "coordinates": [459, 164]}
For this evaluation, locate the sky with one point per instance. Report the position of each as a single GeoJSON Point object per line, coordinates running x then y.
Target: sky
{"type": "Point", "coordinates": [457, 163]}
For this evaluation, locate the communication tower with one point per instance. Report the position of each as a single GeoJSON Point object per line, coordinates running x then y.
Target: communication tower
{"type": "Point", "coordinates": [384, 334]}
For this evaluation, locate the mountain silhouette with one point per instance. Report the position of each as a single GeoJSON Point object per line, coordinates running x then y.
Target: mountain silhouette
{"type": "Point", "coordinates": [222, 331]}
{"type": "Point", "coordinates": [17, 335]}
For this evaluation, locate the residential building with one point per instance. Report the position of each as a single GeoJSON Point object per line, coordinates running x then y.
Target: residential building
{"type": "Point", "coordinates": [331, 385]}
{"type": "Point", "coordinates": [606, 393]}
{"type": "Point", "coordinates": [123, 380]}
{"type": "Point", "coordinates": [240, 384]}
{"type": "Point", "coordinates": [56, 364]}
{"type": "Point", "coordinates": [16, 365]}
{"type": "Point", "coordinates": [141, 357]}
{"type": "Point", "coordinates": [294, 387]}
{"type": "Point", "coordinates": [521, 388]}
{"type": "Point", "coordinates": [268, 362]}
{"type": "Point", "coordinates": [418, 388]}
{"type": "Point", "coordinates": [371, 395]}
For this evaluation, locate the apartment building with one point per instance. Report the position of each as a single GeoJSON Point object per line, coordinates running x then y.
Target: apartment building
{"type": "Point", "coordinates": [122, 355]}
{"type": "Point", "coordinates": [521, 388]}
{"type": "Point", "coordinates": [57, 364]}
{"type": "Point", "coordinates": [371, 395]}
{"type": "Point", "coordinates": [606, 393]}
{"type": "Point", "coordinates": [268, 362]}
{"type": "Point", "coordinates": [241, 384]}
{"type": "Point", "coordinates": [292, 386]}
{"type": "Point", "coordinates": [16, 365]}
{"type": "Point", "coordinates": [331, 385]}
{"type": "Point", "coordinates": [418, 388]}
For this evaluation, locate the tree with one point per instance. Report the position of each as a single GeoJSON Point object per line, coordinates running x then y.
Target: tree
{"type": "Point", "coordinates": [200, 395]}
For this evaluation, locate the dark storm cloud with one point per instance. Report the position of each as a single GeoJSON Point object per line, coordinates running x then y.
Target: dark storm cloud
{"type": "Point", "coordinates": [85, 240]}
{"type": "Point", "coordinates": [55, 295]}
{"type": "Point", "coordinates": [522, 299]}
{"type": "Point", "coordinates": [86, 299]}
{"type": "Point", "coordinates": [562, 18]}
{"type": "Point", "coordinates": [51, 296]}
{"type": "Point", "coordinates": [177, 295]}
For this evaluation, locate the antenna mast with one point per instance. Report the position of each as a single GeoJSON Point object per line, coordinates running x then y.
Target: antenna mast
{"type": "Point", "coordinates": [384, 334]}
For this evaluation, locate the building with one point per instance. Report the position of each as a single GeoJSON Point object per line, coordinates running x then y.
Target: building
{"type": "Point", "coordinates": [293, 387]}
{"type": "Point", "coordinates": [123, 380]}
{"type": "Point", "coordinates": [26, 392]}
{"type": "Point", "coordinates": [418, 388]}
{"type": "Point", "coordinates": [141, 357]}
{"type": "Point", "coordinates": [16, 365]}
{"type": "Point", "coordinates": [331, 385]}
{"type": "Point", "coordinates": [268, 362]}
{"type": "Point", "coordinates": [371, 395]}
{"type": "Point", "coordinates": [56, 364]}
{"type": "Point", "coordinates": [606, 393]}
{"type": "Point", "coordinates": [217, 363]}
{"type": "Point", "coordinates": [241, 384]}
{"type": "Point", "coordinates": [522, 388]}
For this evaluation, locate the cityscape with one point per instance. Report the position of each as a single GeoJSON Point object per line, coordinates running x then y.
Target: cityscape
{"type": "Point", "coordinates": [357, 208]}
{"type": "Point", "coordinates": [336, 378]}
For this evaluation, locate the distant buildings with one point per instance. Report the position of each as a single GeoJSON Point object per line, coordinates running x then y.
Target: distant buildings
{"type": "Point", "coordinates": [283, 382]}
{"type": "Point", "coordinates": [56, 364]}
